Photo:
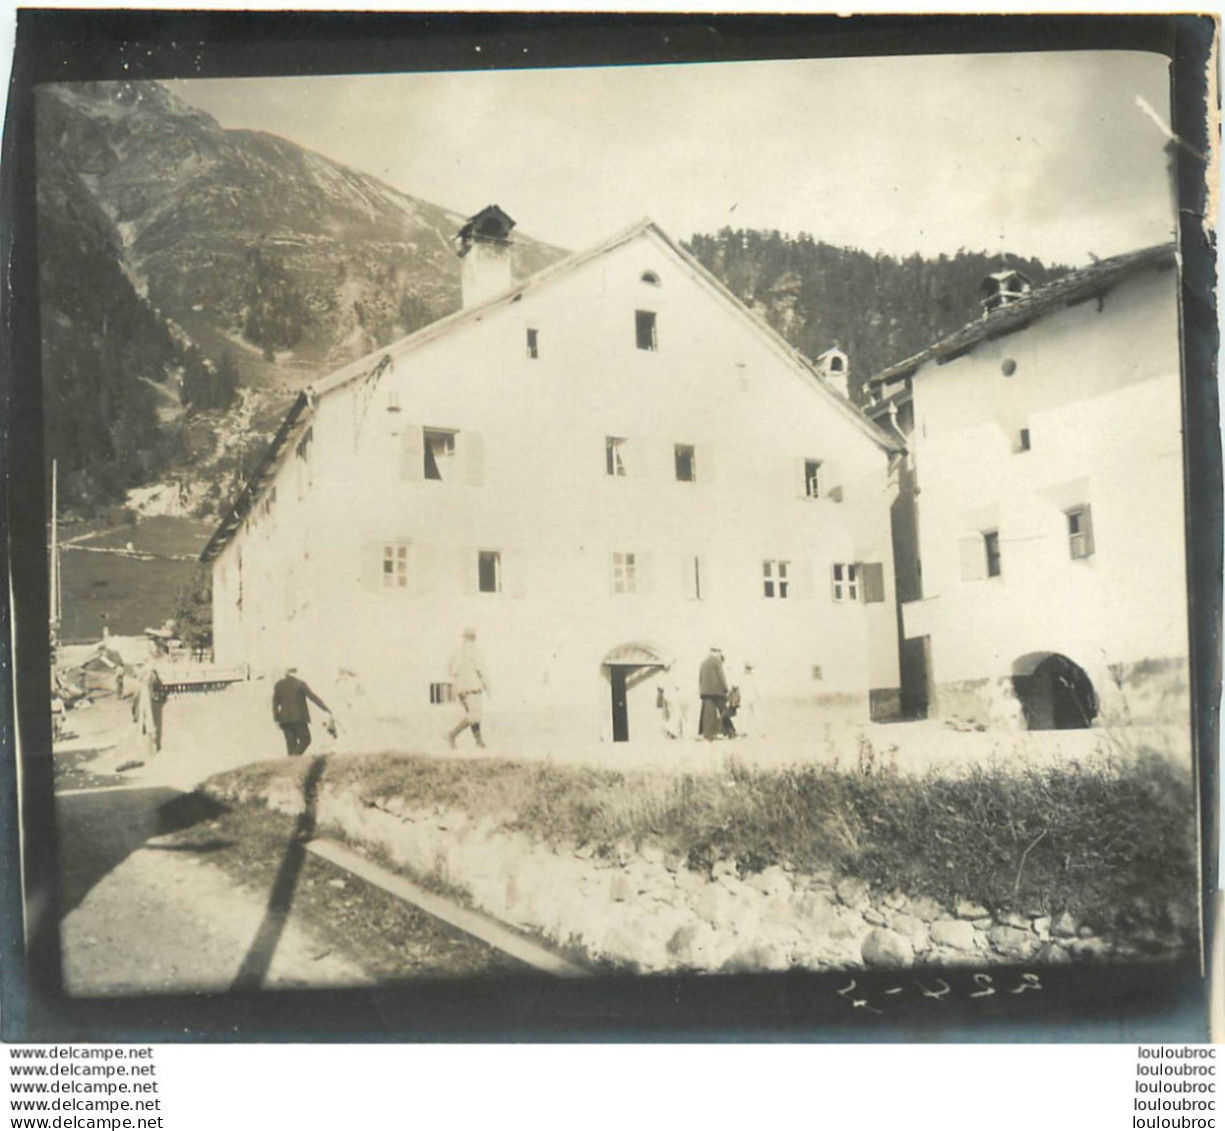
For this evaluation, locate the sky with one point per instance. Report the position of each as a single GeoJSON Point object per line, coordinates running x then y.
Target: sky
{"type": "Point", "coordinates": [1044, 154]}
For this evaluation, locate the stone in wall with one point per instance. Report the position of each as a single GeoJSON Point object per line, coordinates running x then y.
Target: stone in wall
{"type": "Point", "coordinates": [887, 948]}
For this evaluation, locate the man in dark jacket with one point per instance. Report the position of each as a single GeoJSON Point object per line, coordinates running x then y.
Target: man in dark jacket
{"type": "Point", "coordinates": [290, 712]}
{"type": "Point", "coordinates": [712, 686]}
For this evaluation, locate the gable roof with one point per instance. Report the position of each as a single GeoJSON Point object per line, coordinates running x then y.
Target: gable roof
{"type": "Point", "coordinates": [373, 364]}
{"type": "Point", "coordinates": [1068, 290]}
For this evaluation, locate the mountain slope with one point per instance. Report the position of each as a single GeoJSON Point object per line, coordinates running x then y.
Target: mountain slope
{"type": "Point", "coordinates": [179, 259]}
{"type": "Point", "coordinates": [248, 238]}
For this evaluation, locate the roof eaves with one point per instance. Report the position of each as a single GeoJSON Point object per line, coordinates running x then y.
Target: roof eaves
{"type": "Point", "coordinates": [1068, 290]}
{"type": "Point", "coordinates": [263, 474]}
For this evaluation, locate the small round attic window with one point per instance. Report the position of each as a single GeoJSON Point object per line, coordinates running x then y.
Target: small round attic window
{"type": "Point", "coordinates": [1009, 367]}
{"type": "Point", "coordinates": [650, 278]}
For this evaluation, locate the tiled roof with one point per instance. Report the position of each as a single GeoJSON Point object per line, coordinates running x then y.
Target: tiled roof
{"type": "Point", "coordinates": [1068, 290]}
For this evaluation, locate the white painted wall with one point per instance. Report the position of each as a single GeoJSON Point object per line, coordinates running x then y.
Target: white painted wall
{"type": "Point", "coordinates": [1099, 390]}
{"type": "Point", "coordinates": [529, 481]}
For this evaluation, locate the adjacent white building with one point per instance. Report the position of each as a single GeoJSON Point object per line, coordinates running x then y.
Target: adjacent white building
{"type": "Point", "coordinates": [604, 469]}
{"type": "Point", "coordinates": [1039, 530]}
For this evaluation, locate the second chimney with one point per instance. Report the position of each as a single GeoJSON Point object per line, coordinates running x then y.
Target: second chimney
{"type": "Point", "coordinates": [1002, 288]}
{"type": "Point", "coordinates": [834, 368]}
{"type": "Point", "coordinates": [484, 247]}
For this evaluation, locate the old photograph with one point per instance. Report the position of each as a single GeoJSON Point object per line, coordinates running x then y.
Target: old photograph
{"type": "Point", "coordinates": [670, 520]}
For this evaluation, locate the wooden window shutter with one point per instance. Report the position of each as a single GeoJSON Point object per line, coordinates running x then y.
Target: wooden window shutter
{"type": "Point", "coordinates": [642, 566]}
{"type": "Point", "coordinates": [704, 463]}
{"type": "Point", "coordinates": [471, 570]}
{"type": "Point", "coordinates": [689, 576]}
{"type": "Point", "coordinates": [372, 566]}
{"type": "Point", "coordinates": [831, 480]}
{"type": "Point", "coordinates": [421, 569]}
{"type": "Point", "coordinates": [514, 573]}
{"type": "Point", "coordinates": [412, 453]}
{"type": "Point", "coordinates": [800, 578]}
{"type": "Point", "coordinates": [473, 453]}
{"type": "Point", "coordinates": [973, 557]}
{"type": "Point", "coordinates": [872, 581]}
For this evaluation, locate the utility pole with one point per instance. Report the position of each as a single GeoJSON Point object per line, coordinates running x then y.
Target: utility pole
{"type": "Point", "coordinates": [56, 603]}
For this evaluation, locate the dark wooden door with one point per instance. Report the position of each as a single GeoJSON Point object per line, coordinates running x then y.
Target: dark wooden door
{"type": "Point", "coordinates": [620, 709]}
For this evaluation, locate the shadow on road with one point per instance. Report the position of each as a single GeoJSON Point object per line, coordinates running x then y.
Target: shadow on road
{"type": "Point", "coordinates": [280, 901]}
{"type": "Point", "coordinates": [98, 831]}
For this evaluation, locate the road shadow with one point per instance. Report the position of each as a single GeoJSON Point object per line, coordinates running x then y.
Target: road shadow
{"type": "Point", "coordinates": [98, 831]}
{"type": "Point", "coordinates": [259, 956]}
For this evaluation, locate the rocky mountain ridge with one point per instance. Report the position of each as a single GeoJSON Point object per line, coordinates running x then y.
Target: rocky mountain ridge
{"type": "Point", "coordinates": [180, 260]}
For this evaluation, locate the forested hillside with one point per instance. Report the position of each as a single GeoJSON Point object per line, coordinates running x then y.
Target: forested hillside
{"type": "Point", "coordinates": [877, 308]}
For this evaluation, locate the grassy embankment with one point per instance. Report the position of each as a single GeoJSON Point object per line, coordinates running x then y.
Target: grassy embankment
{"type": "Point", "coordinates": [1113, 845]}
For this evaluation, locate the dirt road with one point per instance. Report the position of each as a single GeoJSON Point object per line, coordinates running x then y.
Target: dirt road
{"type": "Point", "coordinates": [162, 890]}
{"type": "Point", "coordinates": [146, 912]}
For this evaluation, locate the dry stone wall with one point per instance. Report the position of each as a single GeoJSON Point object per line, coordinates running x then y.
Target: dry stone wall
{"type": "Point", "coordinates": [639, 908]}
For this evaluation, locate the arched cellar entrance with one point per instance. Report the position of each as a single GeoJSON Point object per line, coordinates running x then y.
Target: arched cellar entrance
{"type": "Point", "coordinates": [1054, 692]}
{"type": "Point", "coordinates": [626, 667]}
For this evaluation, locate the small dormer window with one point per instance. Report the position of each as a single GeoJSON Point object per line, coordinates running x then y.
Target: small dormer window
{"type": "Point", "coordinates": [650, 278]}
{"type": "Point", "coordinates": [835, 364]}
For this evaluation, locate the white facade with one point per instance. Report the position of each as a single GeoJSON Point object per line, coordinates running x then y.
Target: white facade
{"type": "Point", "coordinates": [629, 358]}
{"type": "Point", "coordinates": [1050, 509]}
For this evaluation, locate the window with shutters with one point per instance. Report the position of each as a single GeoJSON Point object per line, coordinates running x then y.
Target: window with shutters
{"type": "Point", "coordinates": [439, 454]}
{"type": "Point", "coordinates": [775, 582]}
{"type": "Point", "coordinates": [489, 571]}
{"type": "Point", "coordinates": [645, 330]}
{"type": "Point", "coordinates": [625, 573]}
{"type": "Point", "coordinates": [686, 463]}
{"type": "Point", "coordinates": [614, 455]}
{"type": "Point", "coordinates": [441, 693]}
{"type": "Point", "coordinates": [991, 548]}
{"type": "Point", "coordinates": [1080, 532]}
{"type": "Point", "coordinates": [845, 582]}
{"type": "Point", "coordinates": [395, 565]}
{"type": "Point", "coordinates": [812, 478]}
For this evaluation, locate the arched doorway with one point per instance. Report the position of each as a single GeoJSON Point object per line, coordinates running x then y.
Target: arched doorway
{"type": "Point", "coordinates": [626, 666]}
{"type": "Point", "coordinates": [1054, 692]}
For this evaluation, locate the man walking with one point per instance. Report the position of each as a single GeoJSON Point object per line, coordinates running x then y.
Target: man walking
{"type": "Point", "coordinates": [712, 687]}
{"type": "Point", "coordinates": [290, 712]}
{"type": "Point", "coordinates": [469, 685]}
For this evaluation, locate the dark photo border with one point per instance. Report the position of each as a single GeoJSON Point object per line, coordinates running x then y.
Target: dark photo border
{"type": "Point", "coordinates": [1141, 1003]}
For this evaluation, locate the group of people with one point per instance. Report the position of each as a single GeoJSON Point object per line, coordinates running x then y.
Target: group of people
{"type": "Point", "coordinates": [291, 698]}
{"type": "Point", "coordinates": [728, 711]}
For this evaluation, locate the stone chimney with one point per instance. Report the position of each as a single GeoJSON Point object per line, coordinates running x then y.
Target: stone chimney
{"type": "Point", "coordinates": [834, 368]}
{"type": "Point", "coordinates": [1002, 288]}
{"type": "Point", "coordinates": [484, 247]}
